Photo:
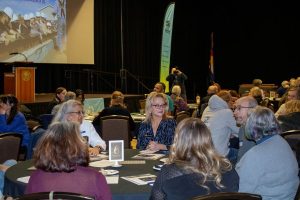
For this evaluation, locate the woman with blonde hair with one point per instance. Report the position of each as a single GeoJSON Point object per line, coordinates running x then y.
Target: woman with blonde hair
{"type": "Point", "coordinates": [194, 167]}
{"type": "Point", "coordinates": [156, 132]}
{"type": "Point", "coordinates": [179, 103]}
{"type": "Point", "coordinates": [291, 120]}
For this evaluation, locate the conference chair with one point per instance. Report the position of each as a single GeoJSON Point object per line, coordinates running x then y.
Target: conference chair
{"type": "Point", "coordinates": [54, 195]}
{"type": "Point", "coordinates": [229, 196]}
{"type": "Point", "coordinates": [182, 115]}
{"type": "Point", "coordinates": [293, 138]}
{"type": "Point", "coordinates": [35, 136]}
{"type": "Point", "coordinates": [115, 127]}
{"type": "Point", "coordinates": [10, 144]}
{"type": "Point", "coordinates": [142, 104]}
{"type": "Point", "coordinates": [45, 120]}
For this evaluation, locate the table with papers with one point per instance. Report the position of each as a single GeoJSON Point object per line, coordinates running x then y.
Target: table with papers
{"type": "Point", "coordinates": [121, 188]}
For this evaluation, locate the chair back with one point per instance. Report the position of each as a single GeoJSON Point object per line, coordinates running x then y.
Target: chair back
{"type": "Point", "coordinates": [35, 136]}
{"type": "Point", "coordinates": [115, 127]}
{"type": "Point", "coordinates": [54, 195]}
{"type": "Point", "coordinates": [142, 103]}
{"type": "Point", "coordinates": [293, 138]}
{"type": "Point", "coordinates": [229, 196]}
{"type": "Point", "coordinates": [182, 115]}
{"type": "Point", "coordinates": [297, 197]}
{"type": "Point", "coordinates": [46, 120]}
{"type": "Point", "coordinates": [10, 144]}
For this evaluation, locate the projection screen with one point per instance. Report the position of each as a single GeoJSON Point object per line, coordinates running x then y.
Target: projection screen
{"type": "Point", "coordinates": [47, 31]}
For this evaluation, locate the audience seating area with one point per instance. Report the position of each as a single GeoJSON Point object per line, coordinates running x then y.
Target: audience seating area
{"type": "Point", "coordinates": [10, 144]}
{"type": "Point", "coordinates": [245, 88]}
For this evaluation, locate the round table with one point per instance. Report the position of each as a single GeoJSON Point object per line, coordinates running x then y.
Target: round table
{"type": "Point", "coordinates": [123, 190]}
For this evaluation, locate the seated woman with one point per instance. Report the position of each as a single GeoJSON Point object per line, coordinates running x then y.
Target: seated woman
{"type": "Point", "coordinates": [156, 132]}
{"type": "Point", "coordinates": [179, 103]}
{"type": "Point", "coordinates": [258, 94]}
{"type": "Point", "coordinates": [80, 95]}
{"type": "Point", "coordinates": [116, 107]}
{"type": "Point", "coordinates": [69, 95]}
{"type": "Point", "coordinates": [270, 167]}
{"type": "Point", "coordinates": [194, 167]}
{"type": "Point", "coordinates": [11, 120]}
{"type": "Point", "coordinates": [62, 158]}
{"type": "Point", "coordinates": [291, 119]}
{"type": "Point", "coordinates": [72, 111]}
{"type": "Point", "coordinates": [59, 98]}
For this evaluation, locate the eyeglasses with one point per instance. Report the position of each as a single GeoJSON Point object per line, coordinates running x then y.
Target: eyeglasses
{"type": "Point", "coordinates": [238, 108]}
{"type": "Point", "coordinates": [159, 106]}
{"type": "Point", "coordinates": [78, 112]}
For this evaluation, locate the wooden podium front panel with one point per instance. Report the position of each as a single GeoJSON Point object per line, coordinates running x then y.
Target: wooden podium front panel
{"type": "Point", "coordinates": [25, 84]}
{"type": "Point", "coordinates": [9, 83]}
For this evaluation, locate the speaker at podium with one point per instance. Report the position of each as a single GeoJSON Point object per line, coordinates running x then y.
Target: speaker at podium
{"type": "Point", "coordinates": [21, 81]}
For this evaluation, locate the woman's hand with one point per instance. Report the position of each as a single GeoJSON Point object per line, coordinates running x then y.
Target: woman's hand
{"type": "Point", "coordinates": [154, 146]}
{"type": "Point", "coordinates": [94, 151]}
{"type": "Point", "coordinates": [2, 110]}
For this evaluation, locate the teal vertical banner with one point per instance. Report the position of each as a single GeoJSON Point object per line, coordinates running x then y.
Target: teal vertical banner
{"type": "Point", "coordinates": [166, 44]}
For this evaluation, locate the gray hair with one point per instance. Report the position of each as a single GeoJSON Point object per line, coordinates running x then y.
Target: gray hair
{"type": "Point", "coordinates": [251, 101]}
{"type": "Point", "coordinates": [261, 123]}
{"type": "Point", "coordinates": [70, 95]}
{"type": "Point", "coordinates": [64, 109]}
{"type": "Point", "coordinates": [176, 90]}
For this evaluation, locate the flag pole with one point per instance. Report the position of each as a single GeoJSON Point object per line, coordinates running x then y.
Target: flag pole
{"type": "Point", "coordinates": [211, 59]}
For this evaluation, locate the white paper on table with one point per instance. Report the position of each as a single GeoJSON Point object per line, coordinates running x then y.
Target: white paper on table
{"type": "Point", "coordinates": [147, 151]}
{"type": "Point", "coordinates": [101, 163]}
{"type": "Point", "coordinates": [148, 156]}
{"type": "Point", "coordinates": [98, 157]}
{"type": "Point", "coordinates": [31, 168]}
{"type": "Point", "coordinates": [142, 179]}
{"type": "Point", "coordinates": [24, 179]}
{"type": "Point", "coordinates": [112, 179]}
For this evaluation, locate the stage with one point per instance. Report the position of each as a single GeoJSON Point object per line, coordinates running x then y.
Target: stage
{"type": "Point", "coordinates": [40, 105]}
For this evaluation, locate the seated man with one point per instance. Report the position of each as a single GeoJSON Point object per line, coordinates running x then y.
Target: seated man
{"type": "Point", "coordinates": [116, 107]}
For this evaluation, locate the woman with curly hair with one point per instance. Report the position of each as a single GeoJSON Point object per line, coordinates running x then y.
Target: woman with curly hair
{"type": "Point", "coordinates": [194, 167]}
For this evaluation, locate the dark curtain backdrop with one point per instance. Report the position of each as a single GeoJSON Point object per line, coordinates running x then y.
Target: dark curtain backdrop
{"type": "Point", "coordinates": [252, 40]}
{"type": "Point", "coordinates": [142, 30]}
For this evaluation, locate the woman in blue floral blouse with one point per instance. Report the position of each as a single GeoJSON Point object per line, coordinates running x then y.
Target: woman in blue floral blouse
{"type": "Point", "coordinates": [157, 131]}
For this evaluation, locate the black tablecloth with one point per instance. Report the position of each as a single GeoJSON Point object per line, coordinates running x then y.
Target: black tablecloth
{"type": "Point", "coordinates": [123, 190]}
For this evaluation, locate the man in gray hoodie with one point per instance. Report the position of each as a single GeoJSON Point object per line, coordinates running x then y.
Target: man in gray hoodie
{"type": "Point", "coordinates": [218, 117]}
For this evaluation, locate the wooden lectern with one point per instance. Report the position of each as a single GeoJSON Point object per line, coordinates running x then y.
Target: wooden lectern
{"type": "Point", "coordinates": [21, 83]}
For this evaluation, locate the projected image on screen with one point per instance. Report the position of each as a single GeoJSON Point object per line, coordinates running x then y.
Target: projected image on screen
{"type": "Point", "coordinates": [33, 30]}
